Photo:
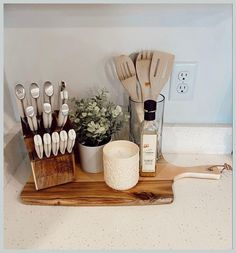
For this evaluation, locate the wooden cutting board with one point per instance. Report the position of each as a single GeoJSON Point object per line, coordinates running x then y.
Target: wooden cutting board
{"type": "Point", "coordinates": [91, 190]}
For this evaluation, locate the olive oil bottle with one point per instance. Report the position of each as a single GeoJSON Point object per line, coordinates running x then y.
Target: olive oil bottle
{"type": "Point", "coordinates": [148, 140]}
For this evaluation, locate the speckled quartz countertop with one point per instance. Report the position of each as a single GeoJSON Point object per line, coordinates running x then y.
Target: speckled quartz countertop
{"type": "Point", "coordinates": [199, 218]}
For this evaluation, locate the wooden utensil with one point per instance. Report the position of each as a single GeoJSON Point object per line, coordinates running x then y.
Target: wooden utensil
{"type": "Point", "coordinates": [143, 63]}
{"type": "Point", "coordinates": [91, 190]}
{"type": "Point", "coordinates": [127, 75]}
{"type": "Point", "coordinates": [160, 70]}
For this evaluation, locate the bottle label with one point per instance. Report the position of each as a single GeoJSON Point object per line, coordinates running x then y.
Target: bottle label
{"type": "Point", "coordinates": [149, 143]}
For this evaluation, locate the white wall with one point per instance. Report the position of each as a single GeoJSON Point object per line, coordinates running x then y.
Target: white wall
{"type": "Point", "coordinates": [77, 42]}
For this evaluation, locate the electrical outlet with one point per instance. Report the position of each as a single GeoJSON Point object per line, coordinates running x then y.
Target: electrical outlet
{"type": "Point", "coordinates": [182, 81]}
{"type": "Point", "coordinates": [182, 88]}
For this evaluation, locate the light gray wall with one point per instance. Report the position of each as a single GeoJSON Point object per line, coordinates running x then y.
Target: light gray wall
{"type": "Point", "coordinates": [77, 42]}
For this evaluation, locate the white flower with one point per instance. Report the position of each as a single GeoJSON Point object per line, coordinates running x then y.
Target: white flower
{"type": "Point", "coordinates": [91, 127]}
{"type": "Point", "coordinates": [101, 130]}
{"type": "Point", "coordinates": [84, 114]}
{"type": "Point", "coordinates": [116, 112]}
{"type": "Point", "coordinates": [96, 109]}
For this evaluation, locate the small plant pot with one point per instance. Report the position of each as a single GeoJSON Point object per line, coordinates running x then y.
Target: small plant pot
{"type": "Point", "coordinates": [91, 160]}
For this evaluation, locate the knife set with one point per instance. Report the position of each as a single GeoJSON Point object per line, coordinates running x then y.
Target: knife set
{"type": "Point", "coordinates": [37, 112]}
{"type": "Point", "coordinates": [57, 142]}
{"type": "Point", "coordinates": [48, 133]}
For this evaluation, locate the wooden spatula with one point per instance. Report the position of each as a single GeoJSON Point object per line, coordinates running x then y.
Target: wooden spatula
{"type": "Point", "coordinates": [127, 75]}
{"type": "Point", "coordinates": [143, 63]}
{"type": "Point", "coordinates": [160, 70]}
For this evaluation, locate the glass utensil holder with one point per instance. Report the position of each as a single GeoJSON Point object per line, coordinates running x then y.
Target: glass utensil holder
{"type": "Point", "coordinates": [136, 117]}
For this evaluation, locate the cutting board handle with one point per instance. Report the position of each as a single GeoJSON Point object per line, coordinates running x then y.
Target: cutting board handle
{"type": "Point", "coordinates": [207, 172]}
{"type": "Point", "coordinates": [167, 171]}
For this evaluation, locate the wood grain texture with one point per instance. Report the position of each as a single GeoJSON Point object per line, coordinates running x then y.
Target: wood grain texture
{"type": "Point", "coordinates": [91, 190]}
{"type": "Point", "coordinates": [143, 63]}
{"type": "Point", "coordinates": [55, 170]}
{"type": "Point", "coordinates": [127, 75]}
{"type": "Point", "coordinates": [98, 193]}
{"type": "Point", "coordinates": [160, 71]}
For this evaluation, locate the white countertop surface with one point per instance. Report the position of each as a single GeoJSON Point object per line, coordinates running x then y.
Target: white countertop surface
{"type": "Point", "coordinates": [199, 218]}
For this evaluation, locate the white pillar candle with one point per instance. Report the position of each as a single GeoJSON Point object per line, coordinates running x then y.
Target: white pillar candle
{"type": "Point", "coordinates": [121, 164]}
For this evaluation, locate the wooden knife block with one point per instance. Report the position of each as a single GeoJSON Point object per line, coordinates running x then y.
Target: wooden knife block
{"type": "Point", "coordinates": [52, 171]}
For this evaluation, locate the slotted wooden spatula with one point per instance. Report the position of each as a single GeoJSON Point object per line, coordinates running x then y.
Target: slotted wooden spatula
{"type": "Point", "coordinates": [160, 70]}
{"type": "Point", "coordinates": [143, 63]}
{"type": "Point", "coordinates": [127, 75]}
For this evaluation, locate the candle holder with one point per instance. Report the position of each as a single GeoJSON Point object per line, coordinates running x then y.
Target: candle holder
{"type": "Point", "coordinates": [136, 117]}
{"type": "Point", "coordinates": [121, 164]}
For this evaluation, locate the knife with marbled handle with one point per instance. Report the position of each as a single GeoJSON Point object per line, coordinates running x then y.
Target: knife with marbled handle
{"type": "Point", "coordinates": [38, 144]}
{"type": "Point", "coordinates": [71, 140]}
{"type": "Point", "coordinates": [35, 98]}
{"type": "Point", "coordinates": [47, 115]}
{"type": "Point", "coordinates": [21, 101]}
{"type": "Point", "coordinates": [63, 141]}
{"type": "Point", "coordinates": [47, 144]}
{"type": "Point", "coordinates": [63, 115]}
{"type": "Point", "coordinates": [55, 143]}
{"type": "Point", "coordinates": [49, 94]}
{"type": "Point", "coordinates": [31, 118]}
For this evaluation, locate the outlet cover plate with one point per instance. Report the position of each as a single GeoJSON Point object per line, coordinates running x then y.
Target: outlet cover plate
{"type": "Point", "coordinates": [183, 75]}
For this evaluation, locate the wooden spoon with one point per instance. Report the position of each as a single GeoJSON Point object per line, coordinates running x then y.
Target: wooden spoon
{"type": "Point", "coordinates": [160, 70]}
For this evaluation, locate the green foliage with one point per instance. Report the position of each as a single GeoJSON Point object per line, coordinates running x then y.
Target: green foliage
{"type": "Point", "coordinates": [95, 119]}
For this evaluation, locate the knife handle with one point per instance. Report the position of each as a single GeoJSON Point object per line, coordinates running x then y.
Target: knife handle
{"type": "Point", "coordinates": [39, 106]}
{"type": "Point", "coordinates": [20, 108]}
{"type": "Point", "coordinates": [60, 119]}
{"type": "Point", "coordinates": [24, 103]}
{"type": "Point", "coordinates": [63, 141]}
{"type": "Point", "coordinates": [63, 115]}
{"type": "Point", "coordinates": [34, 104]}
{"type": "Point", "coordinates": [35, 123]}
{"type": "Point", "coordinates": [49, 120]}
{"type": "Point", "coordinates": [71, 140]}
{"type": "Point", "coordinates": [55, 143]}
{"type": "Point", "coordinates": [45, 120]}
{"type": "Point", "coordinates": [30, 123]}
{"type": "Point", "coordinates": [52, 102]}
{"type": "Point", "coordinates": [47, 144]}
{"type": "Point", "coordinates": [38, 144]}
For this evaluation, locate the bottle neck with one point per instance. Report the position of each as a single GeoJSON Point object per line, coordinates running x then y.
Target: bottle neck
{"type": "Point", "coordinates": [149, 116]}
